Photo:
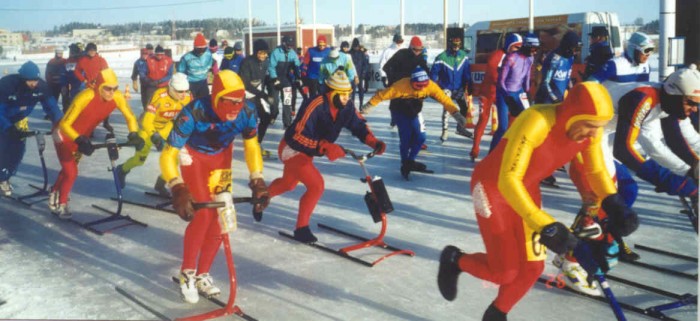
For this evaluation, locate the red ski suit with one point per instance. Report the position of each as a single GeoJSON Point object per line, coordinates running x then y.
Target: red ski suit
{"type": "Point", "coordinates": [506, 194]}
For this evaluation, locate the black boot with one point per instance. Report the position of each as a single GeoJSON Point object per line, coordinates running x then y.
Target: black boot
{"type": "Point", "coordinates": [304, 235]}
{"type": "Point", "coordinates": [494, 314]}
{"type": "Point", "coordinates": [626, 253]}
{"type": "Point", "coordinates": [160, 187]}
{"type": "Point", "coordinates": [406, 167]}
{"type": "Point", "coordinates": [419, 167]}
{"type": "Point", "coordinates": [448, 273]}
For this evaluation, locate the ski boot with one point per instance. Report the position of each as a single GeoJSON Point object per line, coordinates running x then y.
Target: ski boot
{"type": "Point", "coordinates": [575, 277]}
{"type": "Point", "coordinates": [53, 201]}
{"type": "Point", "coordinates": [627, 255]}
{"type": "Point", "coordinates": [188, 290]}
{"type": "Point", "coordinates": [160, 187]}
{"type": "Point", "coordinates": [448, 273]}
{"type": "Point", "coordinates": [494, 314]}
{"type": "Point", "coordinates": [6, 188]}
{"type": "Point", "coordinates": [463, 132]}
{"type": "Point", "coordinates": [205, 285]}
{"type": "Point", "coordinates": [443, 137]}
{"type": "Point", "coordinates": [63, 212]}
{"type": "Point", "coordinates": [406, 166]}
{"type": "Point", "coordinates": [421, 168]}
{"type": "Point", "coordinates": [304, 235]}
{"type": "Point", "coordinates": [550, 181]}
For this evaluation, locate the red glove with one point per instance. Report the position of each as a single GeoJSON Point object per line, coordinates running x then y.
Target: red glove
{"type": "Point", "coordinates": [332, 151]}
{"type": "Point", "coordinates": [378, 145]}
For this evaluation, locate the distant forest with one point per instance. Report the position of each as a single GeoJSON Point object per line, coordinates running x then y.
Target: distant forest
{"type": "Point", "coordinates": [235, 27]}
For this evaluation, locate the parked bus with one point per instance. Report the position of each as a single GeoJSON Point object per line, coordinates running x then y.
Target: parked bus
{"type": "Point", "coordinates": [484, 37]}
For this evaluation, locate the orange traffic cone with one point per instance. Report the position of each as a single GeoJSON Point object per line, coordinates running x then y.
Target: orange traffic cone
{"type": "Point", "coordinates": [127, 92]}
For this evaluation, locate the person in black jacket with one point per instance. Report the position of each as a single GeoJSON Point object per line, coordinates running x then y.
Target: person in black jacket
{"type": "Point", "coordinates": [254, 73]}
{"type": "Point", "coordinates": [401, 65]}
{"type": "Point", "coordinates": [361, 61]}
{"type": "Point", "coordinates": [600, 51]}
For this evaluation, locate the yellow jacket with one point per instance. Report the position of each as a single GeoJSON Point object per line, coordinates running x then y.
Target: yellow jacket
{"type": "Point", "coordinates": [402, 89]}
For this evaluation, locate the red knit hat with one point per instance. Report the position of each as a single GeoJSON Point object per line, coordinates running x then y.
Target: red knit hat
{"type": "Point", "coordinates": [200, 41]}
{"type": "Point", "coordinates": [320, 39]}
{"type": "Point", "coordinates": [416, 43]}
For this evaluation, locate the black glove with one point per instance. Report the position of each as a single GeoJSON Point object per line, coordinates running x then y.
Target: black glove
{"type": "Point", "coordinates": [158, 141]}
{"type": "Point", "coordinates": [558, 238]}
{"type": "Point", "coordinates": [182, 201]}
{"type": "Point", "coordinates": [622, 220]}
{"type": "Point", "coordinates": [84, 145]}
{"type": "Point", "coordinates": [261, 197]}
{"type": "Point", "coordinates": [18, 134]}
{"type": "Point", "coordinates": [134, 139]}
{"type": "Point", "coordinates": [276, 83]}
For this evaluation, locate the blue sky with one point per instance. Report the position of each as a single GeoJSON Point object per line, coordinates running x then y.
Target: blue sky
{"type": "Point", "coordinates": [39, 15]}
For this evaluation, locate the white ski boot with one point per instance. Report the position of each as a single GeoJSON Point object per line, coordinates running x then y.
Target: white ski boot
{"type": "Point", "coordinates": [205, 285]}
{"type": "Point", "coordinates": [53, 201]}
{"type": "Point", "coordinates": [188, 290]}
{"type": "Point", "coordinates": [63, 212]}
{"type": "Point", "coordinates": [6, 188]}
{"type": "Point", "coordinates": [576, 277]}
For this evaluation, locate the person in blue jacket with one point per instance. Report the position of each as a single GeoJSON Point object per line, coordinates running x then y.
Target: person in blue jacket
{"type": "Point", "coordinates": [196, 65]}
{"type": "Point", "coordinates": [283, 61]}
{"type": "Point", "coordinates": [19, 93]}
{"type": "Point", "coordinates": [556, 70]}
{"type": "Point", "coordinates": [451, 71]}
{"type": "Point", "coordinates": [361, 61]}
{"type": "Point", "coordinates": [633, 66]}
{"type": "Point", "coordinates": [312, 64]}
{"type": "Point", "coordinates": [233, 57]}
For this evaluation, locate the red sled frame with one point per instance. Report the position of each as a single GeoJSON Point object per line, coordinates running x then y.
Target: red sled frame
{"type": "Point", "coordinates": [377, 241]}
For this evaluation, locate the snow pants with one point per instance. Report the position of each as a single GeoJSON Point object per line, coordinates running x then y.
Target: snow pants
{"type": "Point", "coordinates": [205, 175]}
{"type": "Point", "coordinates": [411, 134]}
{"type": "Point", "coordinates": [486, 105]}
{"type": "Point", "coordinates": [11, 154]}
{"type": "Point", "coordinates": [299, 167]}
{"type": "Point", "coordinates": [69, 157]}
{"type": "Point", "coordinates": [514, 258]}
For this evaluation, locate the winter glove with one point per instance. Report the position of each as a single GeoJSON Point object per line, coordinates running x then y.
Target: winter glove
{"type": "Point", "coordinates": [364, 109]}
{"type": "Point", "coordinates": [461, 125]}
{"type": "Point", "coordinates": [558, 238]}
{"type": "Point", "coordinates": [84, 145]}
{"type": "Point", "coordinates": [18, 134]}
{"type": "Point", "coordinates": [622, 220]}
{"type": "Point", "coordinates": [158, 141]}
{"type": "Point", "coordinates": [261, 197]}
{"type": "Point", "coordinates": [276, 83]}
{"type": "Point", "coordinates": [591, 255]}
{"type": "Point", "coordinates": [182, 201]}
{"type": "Point", "coordinates": [332, 151]}
{"type": "Point", "coordinates": [378, 145]}
{"type": "Point", "coordinates": [135, 86]}
{"type": "Point", "coordinates": [447, 92]}
{"type": "Point", "coordinates": [134, 139]}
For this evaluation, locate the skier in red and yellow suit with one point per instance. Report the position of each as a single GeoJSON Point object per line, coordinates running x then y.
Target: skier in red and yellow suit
{"type": "Point", "coordinates": [506, 194]}
{"type": "Point", "coordinates": [90, 107]}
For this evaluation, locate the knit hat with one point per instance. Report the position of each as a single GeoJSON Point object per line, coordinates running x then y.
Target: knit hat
{"type": "Point", "coordinates": [344, 44]}
{"type": "Point", "coordinates": [91, 46]}
{"type": "Point", "coordinates": [259, 45]}
{"type": "Point", "coordinates": [213, 43]}
{"type": "Point", "coordinates": [335, 53]}
{"type": "Point", "coordinates": [684, 82]}
{"type": "Point", "coordinates": [179, 82]}
{"type": "Point", "coordinates": [416, 43]}
{"type": "Point", "coordinates": [320, 39]}
{"type": "Point", "coordinates": [419, 78]}
{"type": "Point", "coordinates": [149, 46]}
{"type": "Point", "coordinates": [238, 45]}
{"type": "Point", "coordinates": [159, 50]}
{"type": "Point", "coordinates": [29, 71]}
{"type": "Point", "coordinates": [339, 82]}
{"type": "Point", "coordinates": [397, 38]}
{"type": "Point", "coordinates": [228, 53]}
{"type": "Point", "coordinates": [531, 40]}
{"type": "Point", "coordinates": [200, 41]}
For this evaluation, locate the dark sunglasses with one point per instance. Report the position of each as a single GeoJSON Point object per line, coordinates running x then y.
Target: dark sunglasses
{"type": "Point", "coordinates": [648, 51]}
{"type": "Point", "coordinates": [691, 103]}
{"type": "Point", "coordinates": [110, 89]}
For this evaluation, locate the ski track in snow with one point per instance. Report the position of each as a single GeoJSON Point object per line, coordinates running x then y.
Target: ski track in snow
{"type": "Point", "coordinates": [52, 269]}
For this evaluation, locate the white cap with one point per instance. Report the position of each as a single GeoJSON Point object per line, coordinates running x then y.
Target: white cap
{"type": "Point", "coordinates": [179, 82]}
{"type": "Point", "coordinates": [335, 53]}
{"type": "Point", "coordinates": [684, 82]}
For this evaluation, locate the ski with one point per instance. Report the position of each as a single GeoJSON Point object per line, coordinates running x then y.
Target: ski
{"type": "Point", "coordinates": [667, 253]}
{"type": "Point", "coordinates": [220, 303]}
{"type": "Point", "coordinates": [645, 287]}
{"type": "Point", "coordinates": [625, 306]}
{"type": "Point", "coordinates": [140, 303]}
{"type": "Point", "coordinates": [662, 270]}
{"type": "Point", "coordinates": [163, 206]}
{"type": "Point", "coordinates": [329, 250]}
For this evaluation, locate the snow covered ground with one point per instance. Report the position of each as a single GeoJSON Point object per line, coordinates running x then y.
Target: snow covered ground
{"type": "Point", "coordinates": [53, 269]}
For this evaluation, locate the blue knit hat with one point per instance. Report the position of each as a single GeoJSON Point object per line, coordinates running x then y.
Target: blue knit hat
{"type": "Point", "coordinates": [419, 75]}
{"type": "Point", "coordinates": [29, 71]}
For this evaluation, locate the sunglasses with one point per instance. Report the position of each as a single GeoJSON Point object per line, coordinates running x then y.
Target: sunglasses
{"type": "Point", "coordinates": [691, 103]}
{"type": "Point", "coordinates": [110, 89]}
{"type": "Point", "coordinates": [648, 51]}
